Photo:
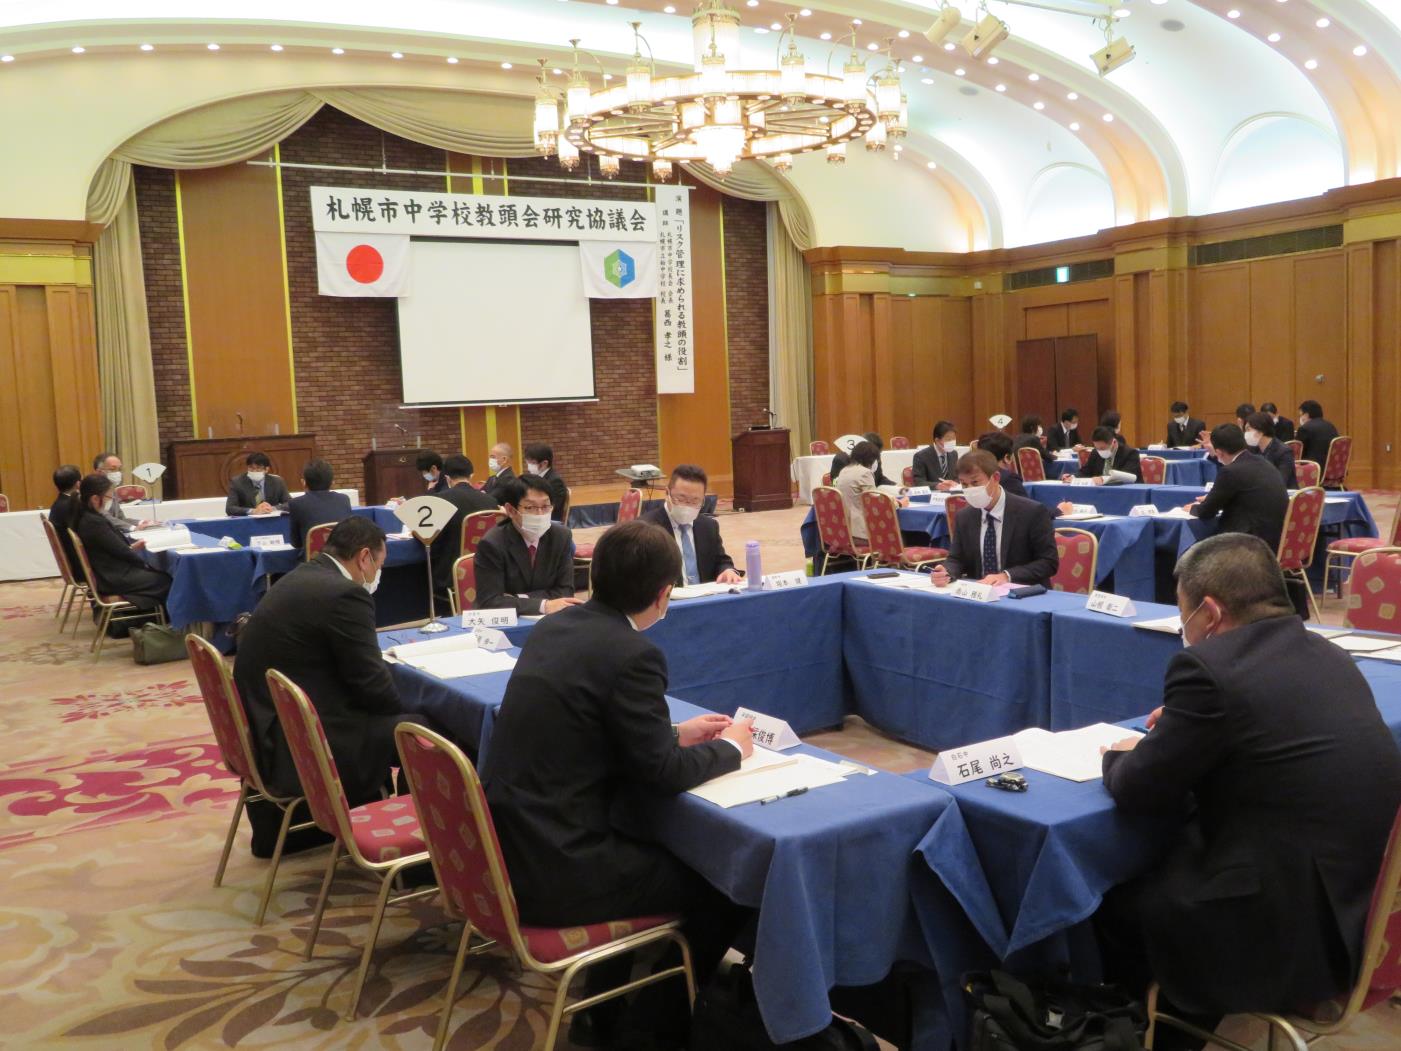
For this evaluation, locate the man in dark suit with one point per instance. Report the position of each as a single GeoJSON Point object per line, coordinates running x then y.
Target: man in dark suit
{"type": "Point", "coordinates": [1012, 540]}
{"type": "Point", "coordinates": [527, 562]}
{"type": "Point", "coordinates": [430, 466]}
{"type": "Point", "coordinates": [540, 461]}
{"type": "Point", "coordinates": [1000, 446]}
{"type": "Point", "coordinates": [1066, 434]}
{"type": "Point", "coordinates": [110, 464]}
{"type": "Point", "coordinates": [256, 490]}
{"type": "Point", "coordinates": [1260, 436]}
{"type": "Point", "coordinates": [1033, 436]}
{"type": "Point", "coordinates": [1269, 742]}
{"type": "Point", "coordinates": [584, 727]}
{"type": "Point", "coordinates": [499, 468]}
{"type": "Point", "coordinates": [1315, 432]}
{"type": "Point", "coordinates": [842, 459]}
{"type": "Point", "coordinates": [1248, 493]}
{"type": "Point", "coordinates": [447, 545]}
{"type": "Point", "coordinates": [1284, 428]}
{"type": "Point", "coordinates": [936, 465]}
{"type": "Point", "coordinates": [1184, 430]}
{"type": "Point", "coordinates": [318, 505]}
{"type": "Point", "coordinates": [1110, 455]}
{"type": "Point", "coordinates": [697, 535]}
{"type": "Point", "coordinates": [317, 626]}
{"type": "Point", "coordinates": [66, 479]}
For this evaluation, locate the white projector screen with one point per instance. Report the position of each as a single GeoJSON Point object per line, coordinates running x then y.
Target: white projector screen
{"type": "Point", "coordinates": [493, 323]}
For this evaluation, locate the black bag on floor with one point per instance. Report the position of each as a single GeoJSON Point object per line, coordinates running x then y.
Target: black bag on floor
{"type": "Point", "coordinates": [1009, 1015]}
{"type": "Point", "coordinates": [157, 644]}
{"type": "Point", "coordinates": [726, 1018]}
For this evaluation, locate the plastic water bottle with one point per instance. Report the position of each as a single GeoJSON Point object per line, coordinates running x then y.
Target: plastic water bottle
{"type": "Point", "coordinates": [753, 571]}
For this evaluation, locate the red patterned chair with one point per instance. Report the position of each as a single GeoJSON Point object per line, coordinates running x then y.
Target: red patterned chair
{"type": "Point", "coordinates": [827, 479]}
{"type": "Point", "coordinates": [477, 525]}
{"type": "Point", "coordinates": [629, 505]}
{"type": "Point", "coordinates": [73, 587]}
{"type": "Point", "coordinates": [4, 504]}
{"type": "Point", "coordinates": [819, 448]}
{"type": "Point", "coordinates": [952, 506]}
{"type": "Point", "coordinates": [316, 538]}
{"type": "Point", "coordinates": [230, 724]}
{"type": "Point", "coordinates": [1296, 543]}
{"type": "Point", "coordinates": [1335, 465]}
{"type": "Point", "coordinates": [1154, 470]}
{"type": "Point", "coordinates": [476, 888]}
{"type": "Point", "coordinates": [1341, 552]}
{"type": "Point", "coordinates": [464, 584]}
{"type": "Point", "coordinates": [1084, 455]}
{"type": "Point", "coordinates": [1078, 551]}
{"type": "Point", "coordinates": [126, 494]}
{"type": "Point", "coordinates": [382, 837]}
{"type": "Point", "coordinates": [907, 477]}
{"type": "Point", "coordinates": [1379, 980]}
{"type": "Point", "coordinates": [899, 441]}
{"type": "Point", "coordinates": [883, 527]}
{"type": "Point", "coordinates": [110, 608]}
{"type": "Point", "coordinates": [1030, 465]}
{"type": "Point", "coordinates": [1296, 447]}
{"type": "Point", "coordinates": [1373, 600]}
{"type": "Point", "coordinates": [835, 529]}
{"type": "Point", "coordinates": [1307, 473]}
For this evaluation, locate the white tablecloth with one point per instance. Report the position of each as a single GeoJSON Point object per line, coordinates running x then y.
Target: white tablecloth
{"type": "Point", "coordinates": [808, 470]}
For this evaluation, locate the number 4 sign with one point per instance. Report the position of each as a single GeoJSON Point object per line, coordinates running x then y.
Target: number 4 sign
{"type": "Point", "coordinates": [425, 516]}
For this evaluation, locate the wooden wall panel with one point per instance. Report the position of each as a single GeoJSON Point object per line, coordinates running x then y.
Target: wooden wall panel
{"type": "Point", "coordinates": [14, 472]}
{"type": "Point", "coordinates": [1045, 322]}
{"type": "Point", "coordinates": [1270, 324]}
{"type": "Point", "coordinates": [1320, 332]}
{"type": "Point", "coordinates": [903, 350]}
{"type": "Point", "coordinates": [1220, 342]}
{"type": "Point", "coordinates": [1384, 351]}
{"type": "Point", "coordinates": [883, 382]}
{"type": "Point", "coordinates": [77, 409]}
{"type": "Point", "coordinates": [956, 367]}
{"type": "Point", "coordinates": [1096, 317]}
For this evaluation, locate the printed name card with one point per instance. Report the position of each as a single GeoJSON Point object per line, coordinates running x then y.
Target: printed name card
{"type": "Point", "coordinates": [271, 541]}
{"type": "Point", "coordinates": [972, 590]}
{"type": "Point", "coordinates": [1110, 605]}
{"type": "Point", "coordinates": [1082, 481]}
{"type": "Point", "coordinates": [491, 639]}
{"type": "Point", "coordinates": [1084, 509]}
{"type": "Point", "coordinates": [954, 766]}
{"type": "Point", "coordinates": [489, 618]}
{"type": "Point", "coordinates": [768, 731]}
{"type": "Point", "coordinates": [1143, 511]}
{"type": "Point", "coordinates": [778, 581]}
{"type": "Point", "coordinates": [919, 490]}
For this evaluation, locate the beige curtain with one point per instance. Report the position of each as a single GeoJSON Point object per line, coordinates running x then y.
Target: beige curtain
{"type": "Point", "coordinates": [450, 120]}
{"type": "Point", "coordinates": [790, 334]}
{"type": "Point", "coordinates": [757, 181]}
{"type": "Point", "coordinates": [221, 133]}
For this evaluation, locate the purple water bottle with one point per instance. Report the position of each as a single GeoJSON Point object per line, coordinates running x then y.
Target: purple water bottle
{"type": "Point", "coordinates": [753, 572]}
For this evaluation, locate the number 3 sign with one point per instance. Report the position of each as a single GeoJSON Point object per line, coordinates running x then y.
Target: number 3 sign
{"type": "Point", "coordinates": [425, 516]}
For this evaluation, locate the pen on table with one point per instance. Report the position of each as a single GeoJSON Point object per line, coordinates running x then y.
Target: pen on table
{"type": "Point", "coordinates": [785, 795]}
{"type": "Point", "coordinates": [1142, 728]}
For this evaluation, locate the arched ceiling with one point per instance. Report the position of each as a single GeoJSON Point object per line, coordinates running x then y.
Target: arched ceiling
{"type": "Point", "coordinates": [1208, 73]}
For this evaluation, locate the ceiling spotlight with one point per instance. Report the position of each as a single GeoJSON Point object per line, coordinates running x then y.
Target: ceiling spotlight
{"type": "Point", "coordinates": [452, 60]}
{"type": "Point", "coordinates": [1033, 77]}
{"type": "Point", "coordinates": [1324, 23]}
{"type": "Point", "coordinates": [916, 58]}
{"type": "Point", "coordinates": [985, 36]}
{"type": "Point", "coordinates": [148, 47]}
{"type": "Point", "coordinates": [903, 34]}
{"type": "Point", "coordinates": [1038, 105]}
{"type": "Point", "coordinates": [949, 45]}
{"type": "Point", "coordinates": [275, 47]}
{"type": "Point", "coordinates": [960, 71]}
{"type": "Point", "coordinates": [1072, 95]}
{"type": "Point", "coordinates": [1233, 13]}
{"type": "Point", "coordinates": [1001, 87]}
{"type": "Point", "coordinates": [1311, 64]}
{"type": "Point", "coordinates": [1273, 38]}
{"type": "Point", "coordinates": [338, 51]}
{"type": "Point", "coordinates": [669, 9]}
{"type": "Point", "coordinates": [825, 36]}
{"type": "Point", "coordinates": [1122, 12]}
{"type": "Point", "coordinates": [994, 60]}
{"type": "Point", "coordinates": [1360, 50]}
{"type": "Point", "coordinates": [212, 47]}
{"type": "Point", "coordinates": [945, 24]}
{"type": "Point", "coordinates": [397, 54]}
{"type": "Point", "coordinates": [1109, 118]}
{"type": "Point", "coordinates": [806, 12]}
{"type": "Point", "coordinates": [753, 3]}
{"type": "Point", "coordinates": [1112, 55]}
{"type": "Point", "coordinates": [1074, 125]}
{"type": "Point", "coordinates": [926, 80]}
{"type": "Point", "coordinates": [79, 50]}
{"type": "Point", "coordinates": [931, 166]}
{"type": "Point", "coordinates": [1160, 2]}
{"type": "Point", "coordinates": [776, 26]}
{"type": "Point", "coordinates": [7, 58]}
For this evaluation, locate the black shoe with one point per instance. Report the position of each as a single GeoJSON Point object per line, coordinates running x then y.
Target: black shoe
{"type": "Point", "coordinates": [298, 841]}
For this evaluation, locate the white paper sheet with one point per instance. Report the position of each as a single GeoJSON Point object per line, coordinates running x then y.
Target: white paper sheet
{"type": "Point", "coordinates": [1168, 625]}
{"type": "Point", "coordinates": [1329, 633]}
{"type": "Point", "coordinates": [1393, 654]}
{"type": "Point", "coordinates": [1176, 512]}
{"type": "Point", "coordinates": [702, 590]}
{"type": "Point", "coordinates": [165, 539]}
{"type": "Point", "coordinates": [411, 652]}
{"type": "Point", "coordinates": [1364, 643]}
{"type": "Point", "coordinates": [905, 581]}
{"type": "Point", "coordinates": [769, 778]}
{"type": "Point", "coordinates": [1071, 754]}
{"type": "Point", "coordinates": [461, 663]}
{"type": "Point", "coordinates": [1080, 516]}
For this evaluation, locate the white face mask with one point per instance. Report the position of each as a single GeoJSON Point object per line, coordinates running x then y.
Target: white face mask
{"type": "Point", "coordinates": [115, 477]}
{"type": "Point", "coordinates": [951, 445]}
{"type": "Point", "coordinates": [1040, 431]}
{"type": "Point", "coordinates": [256, 476]}
{"type": "Point", "coordinates": [533, 527]}
{"type": "Point", "coordinates": [1181, 421]}
{"type": "Point", "coordinates": [1303, 420]}
{"type": "Point", "coordinates": [373, 585]}
{"type": "Point", "coordinates": [1107, 454]}
{"type": "Point", "coordinates": [535, 469]}
{"type": "Point", "coordinates": [681, 514]}
{"type": "Point", "coordinates": [978, 497]}
{"type": "Point", "coordinates": [429, 476]}
{"type": "Point", "coordinates": [1252, 439]}
{"type": "Point", "coordinates": [1185, 643]}
{"type": "Point", "coordinates": [492, 465]}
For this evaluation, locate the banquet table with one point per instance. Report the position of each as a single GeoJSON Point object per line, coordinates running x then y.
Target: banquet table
{"type": "Point", "coordinates": [808, 470]}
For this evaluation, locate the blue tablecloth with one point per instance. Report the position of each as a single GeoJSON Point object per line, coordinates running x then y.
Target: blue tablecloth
{"type": "Point", "coordinates": [940, 671]}
{"type": "Point", "coordinates": [1177, 455]}
{"type": "Point", "coordinates": [1194, 471]}
{"type": "Point", "coordinates": [590, 515]}
{"type": "Point", "coordinates": [1109, 499]}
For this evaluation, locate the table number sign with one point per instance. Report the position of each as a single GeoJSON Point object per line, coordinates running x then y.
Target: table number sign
{"type": "Point", "coordinates": [1110, 605]}
{"type": "Point", "coordinates": [954, 766]}
{"type": "Point", "coordinates": [268, 542]}
{"type": "Point", "coordinates": [426, 516]}
{"type": "Point", "coordinates": [768, 731]}
{"type": "Point", "coordinates": [489, 618]}
{"type": "Point", "coordinates": [148, 472]}
{"type": "Point", "coordinates": [972, 590]}
{"type": "Point", "coordinates": [779, 581]}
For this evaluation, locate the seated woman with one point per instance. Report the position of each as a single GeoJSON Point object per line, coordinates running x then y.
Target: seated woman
{"type": "Point", "coordinates": [1033, 436]}
{"type": "Point", "coordinates": [858, 477]}
{"type": "Point", "coordinates": [119, 569]}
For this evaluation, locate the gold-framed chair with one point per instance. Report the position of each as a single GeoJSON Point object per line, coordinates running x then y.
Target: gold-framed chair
{"type": "Point", "coordinates": [834, 528]}
{"type": "Point", "coordinates": [1297, 541]}
{"type": "Point", "coordinates": [883, 534]}
{"type": "Point", "coordinates": [464, 585]}
{"type": "Point", "coordinates": [4, 503]}
{"type": "Point", "coordinates": [316, 538]}
{"type": "Point", "coordinates": [1335, 464]}
{"type": "Point", "coordinates": [1078, 552]}
{"type": "Point", "coordinates": [72, 586]}
{"type": "Point", "coordinates": [476, 888]}
{"type": "Point", "coordinates": [381, 837]}
{"type": "Point", "coordinates": [1030, 465]}
{"type": "Point", "coordinates": [899, 441]}
{"type": "Point", "coordinates": [1372, 601]}
{"type": "Point", "coordinates": [475, 526]}
{"type": "Point", "coordinates": [1307, 474]}
{"type": "Point", "coordinates": [229, 721]}
{"type": "Point", "coordinates": [113, 609]}
{"type": "Point", "coordinates": [1154, 470]}
{"type": "Point", "coordinates": [127, 494]}
{"type": "Point", "coordinates": [1296, 447]}
{"type": "Point", "coordinates": [1341, 553]}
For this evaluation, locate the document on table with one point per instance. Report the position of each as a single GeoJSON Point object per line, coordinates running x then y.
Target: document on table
{"type": "Point", "coordinates": [1329, 633]}
{"type": "Point", "coordinates": [1393, 654]}
{"type": "Point", "coordinates": [1176, 512]}
{"type": "Point", "coordinates": [459, 664]}
{"type": "Point", "coordinates": [411, 652]}
{"type": "Point", "coordinates": [905, 581]}
{"type": "Point", "coordinates": [1080, 516]}
{"type": "Point", "coordinates": [1364, 643]}
{"type": "Point", "coordinates": [1071, 754]}
{"type": "Point", "coordinates": [702, 590]}
{"type": "Point", "coordinates": [1168, 625]}
{"type": "Point", "coordinates": [265, 514]}
{"type": "Point", "coordinates": [166, 539]}
{"type": "Point", "coordinates": [766, 774]}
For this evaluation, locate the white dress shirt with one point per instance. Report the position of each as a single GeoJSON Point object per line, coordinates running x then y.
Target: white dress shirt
{"type": "Point", "coordinates": [996, 512]}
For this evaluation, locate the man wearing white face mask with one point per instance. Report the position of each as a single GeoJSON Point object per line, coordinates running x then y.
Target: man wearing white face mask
{"type": "Point", "coordinates": [936, 465]}
{"type": "Point", "coordinates": [697, 535]}
{"type": "Point", "coordinates": [498, 470]}
{"type": "Point", "coordinates": [1112, 462]}
{"type": "Point", "coordinates": [110, 464]}
{"type": "Point", "coordinates": [1184, 430]}
{"type": "Point", "coordinates": [527, 562]}
{"type": "Point", "coordinates": [257, 491]}
{"type": "Point", "coordinates": [1000, 538]}
{"type": "Point", "coordinates": [1260, 436]}
{"type": "Point", "coordinates": [540, 461]}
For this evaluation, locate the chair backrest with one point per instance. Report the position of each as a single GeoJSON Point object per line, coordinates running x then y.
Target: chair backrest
{"type": "Point", "coordinates": [316, 767]}
{"type": "Point", "coordinates": [1301, 524]}
{"type": "Point", "coordinates": [819, 449]}
{"type": "Point", "coordinates": [899, 441]}
{"type": "Point", "coordinates": [1296, 447]}
{"type": "Point", "coordinates": [460, 834]}
{"type": "Point", "coordinates": [477, 525]}
{"type": "Point", "coordinates": [1078, 551]}
{"type": "Point", "coordinates": [630, 506]}
{"type": "Point", "coordinates": [88, 574]}
{"type": "Point", "coordinates": [1084, 455]}
{"type": "Point", "coordinates": [1373, 599]}
{"type": "Point", "coordinates": [464, 583]}
{"type": "Point", "coordinates": [952, 506]}
{"type": "Point", "coordinates": [225, 709]}
{"type": "Point", "coordinates": [1030, 465]}
{"type": "Point", "coordinates": [1395, 540]}
{"type": "Point", "coordinates": [832, 524]}
{"type": "Point", "coordinates": [61, 556]}
{"type": "Point", "coordinates": [4, 503]}
{"type": "Point", "coordinates": [1154, 470]}
{"type": "Point", "coordinates": [568, 505]}
{"type": "Point", "coordinates": [827, 478]}
{"type": "Point", "coordinates": [882, 526]}
{"type": "Point", "coordinates": [1336, 463]}
{"type": "Point", "coordinates": [127, 493]}
{"type": "Point", "coordinates": [1381, 938]}
{"type": "Point", "coordinates": [1307, 473]}
{"type": "Point", "coordinates": [316, 538]}
{"type": "Point", "coordinates": [907, 478]}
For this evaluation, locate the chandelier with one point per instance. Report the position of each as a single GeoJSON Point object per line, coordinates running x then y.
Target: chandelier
{"type": "Point", "coordinates": [720, 113]}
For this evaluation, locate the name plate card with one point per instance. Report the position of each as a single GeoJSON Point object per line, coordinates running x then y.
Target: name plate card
{"type": "Point", "coordinates": [768, 731]}
{"type": "Point", "coordinates": [272, 541]}
{"type": "Point", "coordinates": [489, 618]}
{"type": "Point", "coordinates": [491, 639]}
{"type": "Point", "coordinates": [1143, 511]}
{"type": "Point", "coordinates": [972, 590]}
{"type": "Point", "coordinates": [795, 578]}
{"type": "Point", "coordinates": [919, 490]}
{"type": "Point", "coordinates": [954, 766]}
{"type": "Point", "coordinates": [1082, 481]}
{"type": "Point", "coordinates": [1110, 605]}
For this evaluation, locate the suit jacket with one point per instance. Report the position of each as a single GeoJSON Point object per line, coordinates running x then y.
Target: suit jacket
{"type": "Point", "coordinates": [313, 509]}
{"type": "Point", "coordinates": [1057, 438]}
{"type": "Point", "coordinates": [1249, 496]}
{"type": "Point", "coordinates": [842, 459]}
{"type": "Point", "coordinates": [436, 488]}
{"type": "Point", "coordinates": [318, 628]}
{"type": "Point", "coordinates": [243, 494]}
{"type": "Point", "coordinates": [1026, 543]}
{"type": "Point", "coordinates": [504, 572]}
{"type": "Point", "coordinates": [61, 517]}
{"type": "Point", "coordinates": [711, 559]}
{"type": "Point", "coordinates": [584, 725]}
{"type": "Point", "coordinates": [119, 569]}
{"type": "Point", "coordinates": [112, 508]}
{"type": "Point", "coordinates": [495, 483]}
{"type": "Point", "coordinates": [1125, 459]}
{"type": "Point", "coordinates": [1284, 429]}
{"type": "Point", "coordinates": [1179, 437]}
{"type": "Point", "coordinates": [1011, 481]}
{"type": "Point", "coordinates": [559, 494]}
{"type": "Point", "coordinates": [1260, 905]}
{"type": "Point", "coordinates": [1282, 457]}
{"type": "Point", "coordinates": [933, 466]}
{"type": "Point", "coordinates": [447, 545]}
{"type": "Point", "coordinates": [1317, 435]}
{"type": "Point", "coordinates": [1031, 441]}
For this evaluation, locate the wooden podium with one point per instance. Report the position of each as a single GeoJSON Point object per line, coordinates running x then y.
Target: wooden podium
{"type": "Point", "coordinates": [205, 466]}
{"type": "Point", "coordinates": [762, 476]}
{"type": "Point", "coordinates": [391, 472]}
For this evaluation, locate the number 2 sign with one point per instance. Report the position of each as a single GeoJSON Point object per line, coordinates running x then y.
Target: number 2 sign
{"type": "Point", "coordinates": [425, 516]}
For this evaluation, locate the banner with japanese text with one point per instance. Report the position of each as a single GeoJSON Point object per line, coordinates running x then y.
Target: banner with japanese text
{"type": "Point", "coordinates": [674, 344]}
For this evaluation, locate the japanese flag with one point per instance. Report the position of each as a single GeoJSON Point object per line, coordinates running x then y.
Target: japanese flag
{"type": "Point", "coordinates": [362, 264]}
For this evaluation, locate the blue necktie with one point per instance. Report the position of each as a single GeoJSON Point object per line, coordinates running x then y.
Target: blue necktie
{"type": "Point", "coordinates": [989, 545]}
{"type": "Point", "coordinates": [688, 556]}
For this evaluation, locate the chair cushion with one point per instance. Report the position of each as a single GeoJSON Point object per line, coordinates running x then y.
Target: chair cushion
{"type": "Point", "coordinates": [549, 944]}
{"type": "Point", "coordinates": [923, 554]}
{"type": "Point", "coordinates": [1356, 545]}
{"type": "Point", "coordinates": [583, 551]}
{"type": "Point", "coordinates": [387, 829]}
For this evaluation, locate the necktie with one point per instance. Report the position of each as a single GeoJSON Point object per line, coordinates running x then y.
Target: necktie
{"type": "Point", "coordinates": [258, 492]}
{"type": "Point", "coordinates": [989, 544]}
{"type": "Point", "coordinates": [531, 548]}
{"type": "Point", "coordinates": [688, 556]}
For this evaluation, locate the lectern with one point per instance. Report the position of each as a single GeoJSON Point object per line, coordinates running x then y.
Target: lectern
{"type": "Point", "coordinates": [391, 472]}
{"type": "Point", "coordinates": [198, 467]}
{"type": "Point", "coordinates": [762, 475]}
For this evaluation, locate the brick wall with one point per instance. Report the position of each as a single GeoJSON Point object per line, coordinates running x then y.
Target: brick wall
{"type": "Point", "coordinates": [747, 310]}
{"type": "Point", "coordinates": [165, 302]}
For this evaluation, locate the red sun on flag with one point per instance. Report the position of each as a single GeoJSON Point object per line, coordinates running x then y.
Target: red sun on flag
{"type": "Point", "coordinates": [364, 264]}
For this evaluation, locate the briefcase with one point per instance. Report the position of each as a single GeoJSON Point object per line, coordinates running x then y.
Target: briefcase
{"type": "Point", "coordinates": [157, 644]}
{"type": "Point", "coordinates": [1009, 1015]}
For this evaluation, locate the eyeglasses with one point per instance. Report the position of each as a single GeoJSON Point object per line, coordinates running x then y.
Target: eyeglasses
{"type": "Point", "coordinates": [686, 501]}
{"type": "Point", "coordinates": [535, 509]}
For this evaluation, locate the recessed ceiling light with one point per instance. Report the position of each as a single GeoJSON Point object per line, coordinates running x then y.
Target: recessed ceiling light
{"type": "Point", "coordinates": [805, 12]}
{"type": "Point", "coordinates": [452, 60]}
{"type": "Point", "coordinates": [825, 36]}
{"type": "Point", "coordinates": [958, 72]}
{"type": "Point", "coordinates": [79, 50]}
{"type": "Point", "coordinates": [275, 47]}
{"type": "Point", "coordinates": [1311, 64]}
{"type": "Point", "coordinates": [1001, 87]}
{"type": "Point", "coordinates": [148, 47]}
{"type": "Point", "coordinates": [212, 47]}
{"type": "Point", "coordinates": [1360, 50]}
{"type": "Point", "coordinates": [669, 9]}
{"type": "Point", "coordinates": [926, 80]}
{"type": "Point", "coordinates": [1033, 77]}
{"type": "Point", "coordinates": [762, 30]}
{"type": "Point", "coordinates": [1233, 13]}
{"type": "Point", "coordinates": [7, 58]}
{"type": "Point", "coordinates": [1108, 118]}
{"type": "Point", "coordinates": [557, 72]}
{"type": "Point", "coordinates": [899, 69]}
{"type": "Point", "coordinates": [608, 76]}
{"type": "Point", "coordinates": [931, 166]}
{"type": "Point", "coordinates": [1324, 23]}
{"type": "Point", "coordinates": [916, 58]}
{"type": "Point", "coordinates": [338, 51]}
{"type": "Point", "coordinates": [903, 34]}
{"type": "Point", "coordinates": [1159, 1]}
{"type": "Point", "coordinates": [1072, 95]}
{"type": "Point", "coordinates": [1122, 12]}
{"type": "Point", "coordinates": [1273, 38]}
{"type": "Point", "coordinates": [949, 46]}
{"type": "Point", "coordinates": [872, 46]}
{"type": "Point", "coordinates": [1074, 125]}
{"type": "Point", "coordinates": [753, 3]}
{"type": "Point", "coordinates": [400, 54]}
{"type": "Point", "coordinates": [857, 22]}
{"type": "Point", "coordinates": [1038, 104]}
